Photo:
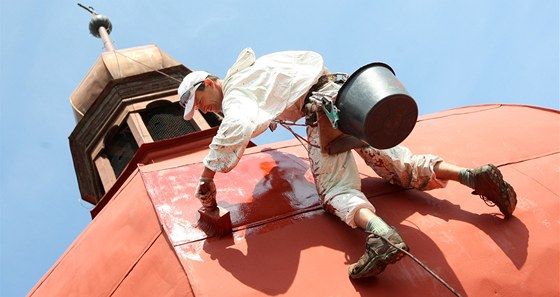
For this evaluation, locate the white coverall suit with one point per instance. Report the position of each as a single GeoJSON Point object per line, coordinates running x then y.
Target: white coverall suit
{"type": "Point", "coordinates": [257, 91]}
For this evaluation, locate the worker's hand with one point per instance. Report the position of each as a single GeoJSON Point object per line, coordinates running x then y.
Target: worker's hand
{"type": "Point", "coordinates": [206, 193]}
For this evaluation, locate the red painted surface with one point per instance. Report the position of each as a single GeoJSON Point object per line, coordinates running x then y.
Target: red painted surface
{"type": "Point", "coordinates": [122, 252]}
{"type": "Point", "coordinates": [284, 243]}
{"type": "Point", "coordinates": [264, 187]}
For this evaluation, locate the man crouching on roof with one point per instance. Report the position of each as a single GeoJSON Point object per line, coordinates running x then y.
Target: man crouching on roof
{"type": "Point", "coordinates": [276, 86]}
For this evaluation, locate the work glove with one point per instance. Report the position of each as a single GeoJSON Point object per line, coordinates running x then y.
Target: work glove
{"type": "Point", "coordinates": [206, 193]}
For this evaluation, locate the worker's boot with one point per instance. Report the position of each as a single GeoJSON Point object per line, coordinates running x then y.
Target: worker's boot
{"type": "Point", "coordinates": [490, 185]}
{"type": "Point", "coordinates": [378, 255]}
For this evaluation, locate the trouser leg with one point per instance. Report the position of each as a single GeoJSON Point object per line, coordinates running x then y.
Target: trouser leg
{"type": "Point", "coordinates": [400, 167]}
{"type": "Point", "coordinates": [337, 180]}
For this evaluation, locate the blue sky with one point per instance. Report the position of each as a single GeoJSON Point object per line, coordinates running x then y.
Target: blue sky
{"type": "Point", "coordinates": [447, 53]}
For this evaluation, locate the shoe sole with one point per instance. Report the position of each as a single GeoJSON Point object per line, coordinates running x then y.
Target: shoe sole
{"type": "Point", "coordinates": [506, 192]}
{"type": "Point", "coordinates": [378, 264]}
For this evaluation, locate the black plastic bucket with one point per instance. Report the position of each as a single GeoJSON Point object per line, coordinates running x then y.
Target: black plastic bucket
{"type": "Point", "coordinates": [375, 107]}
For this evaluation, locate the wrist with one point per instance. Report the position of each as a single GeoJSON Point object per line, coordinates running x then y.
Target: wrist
{"type": "Point", "coordinates": [206, 179]}
{"type": "Point", "coordinates": [207, 174]}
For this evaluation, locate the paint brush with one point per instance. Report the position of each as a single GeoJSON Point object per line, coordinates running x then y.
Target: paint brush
{"type": "Point", "coordinates": [214, 222]}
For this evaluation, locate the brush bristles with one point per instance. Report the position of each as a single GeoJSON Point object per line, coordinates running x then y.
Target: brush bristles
{"type": "Point", "coordinates": [215, 222]}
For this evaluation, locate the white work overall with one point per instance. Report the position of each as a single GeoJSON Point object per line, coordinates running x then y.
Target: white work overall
{"type": "Point", "coordinates": [257, 91]}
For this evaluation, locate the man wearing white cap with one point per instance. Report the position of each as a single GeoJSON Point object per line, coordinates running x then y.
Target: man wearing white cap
{"type": "Point", "coordinates": [255, 92]}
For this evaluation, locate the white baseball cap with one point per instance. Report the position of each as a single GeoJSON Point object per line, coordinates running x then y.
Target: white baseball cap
{"type": "Point", "coordinates": [186, 91]}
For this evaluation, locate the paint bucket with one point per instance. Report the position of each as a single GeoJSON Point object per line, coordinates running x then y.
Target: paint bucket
{"type": "Point", "coordinates": [375, 107]}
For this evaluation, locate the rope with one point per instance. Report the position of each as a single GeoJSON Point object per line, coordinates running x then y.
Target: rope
{"type": "Point", "coordinates": [151, 68]}
{"type": "Point", "coordinates": [118, 63]}
{"type": "Point", "coordinates": [297, 136]}
{"type": "Point", "coordinates": [419, 263]}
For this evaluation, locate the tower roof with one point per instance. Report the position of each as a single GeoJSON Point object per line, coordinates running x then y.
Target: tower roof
{"type": "Point", "coordinates": [113, 65]}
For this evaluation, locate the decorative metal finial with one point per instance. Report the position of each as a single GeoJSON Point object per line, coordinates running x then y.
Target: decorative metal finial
{"type": "Point", "coordinates": [97, 21]}
{"type": "Point", "coordinates": [99, 26]}
{"type": "Point", "coordinates": [89, 8]}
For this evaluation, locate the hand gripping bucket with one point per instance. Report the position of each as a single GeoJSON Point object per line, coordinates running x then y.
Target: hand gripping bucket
{"type": "Point", "coordinates": [375, 107]}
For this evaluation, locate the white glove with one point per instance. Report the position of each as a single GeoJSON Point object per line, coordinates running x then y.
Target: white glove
{"type": "Point", "coordinates": [206, 193]}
